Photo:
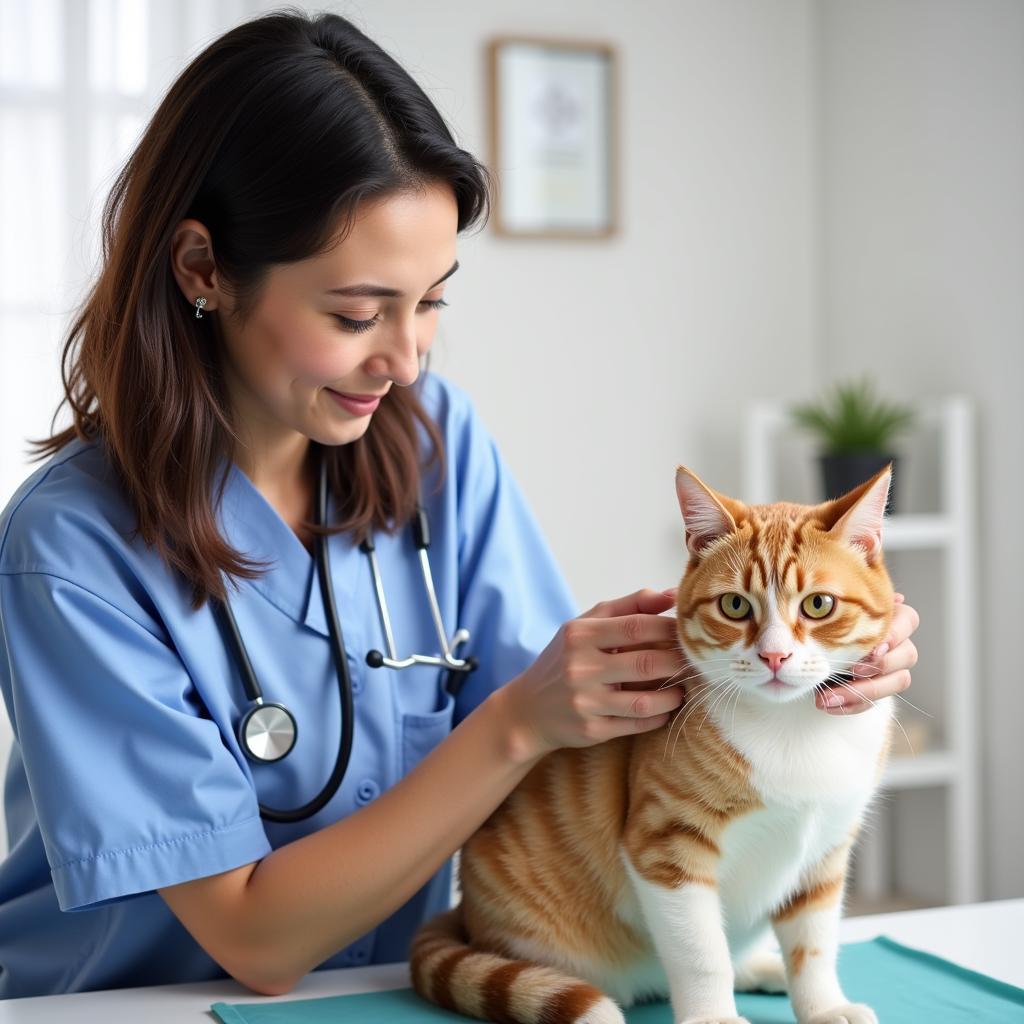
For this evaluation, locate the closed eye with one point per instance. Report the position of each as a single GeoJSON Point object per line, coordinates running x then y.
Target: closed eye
{"type": "Point", "coordinates": [358, 326]}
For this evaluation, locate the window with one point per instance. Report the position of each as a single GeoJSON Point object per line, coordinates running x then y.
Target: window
{"type": "Point", "coordinates": [78, 82]}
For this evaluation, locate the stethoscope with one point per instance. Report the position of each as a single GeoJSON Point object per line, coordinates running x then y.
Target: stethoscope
{"type": "Point", "coordinates": [267, 730]}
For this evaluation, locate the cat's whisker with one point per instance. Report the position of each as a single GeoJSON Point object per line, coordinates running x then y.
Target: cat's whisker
{"type": "Point", "coordinates": [722, 690]}
{"type": "Point", "coordinates": [718, 700]}
{"type": "Point", "coordinates": [693, 702]}
{"type": "Point", "coordinates": [862, 696]}
{"type": "Point", "coordinates": [900, 696]}
{"type": "Point", "coordinates": [711, 661]}
{"type": "Point", "coordinates": [668, 733]}
{"type": "Point", "coordinates": [849, 663]}
{"type": "Point", "coordinates": [735, 705]}
{"type": "Point", "coordinates": [672, 680]}
{"type": "Point", "coordinates": [693, 698]}
{"type": "Point", "coordinates": [724, 684]}
{"type": "Point", "coordinates": [694, 675]}
{"type": "Point", "coordinates": [703, 698]}
{"type": "Point", "coordinates": [678, 682]}
{"type": "Point", "coordinates": [692, 669]}
{"type": "Point", "coordinates": [840, 661]}
{"type": "Point", "coordinates": [838, 679]}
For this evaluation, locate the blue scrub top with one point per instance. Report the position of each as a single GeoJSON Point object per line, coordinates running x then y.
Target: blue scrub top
{"type": "Point", "coordinates": [126, 773]}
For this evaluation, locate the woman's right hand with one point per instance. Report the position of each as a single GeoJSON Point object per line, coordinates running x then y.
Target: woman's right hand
{"type": "Point", "coordinates": [582, 689]}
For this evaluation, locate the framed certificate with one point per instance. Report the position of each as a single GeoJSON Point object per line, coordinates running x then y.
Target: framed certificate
{"type": "Point", "coordinates": [553, 137]}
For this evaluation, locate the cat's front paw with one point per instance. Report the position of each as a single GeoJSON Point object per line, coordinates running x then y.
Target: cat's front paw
{"type": "Point", "coordinates": [850, 1013]}
{"type": "Point", "coordinates": [763, 972]}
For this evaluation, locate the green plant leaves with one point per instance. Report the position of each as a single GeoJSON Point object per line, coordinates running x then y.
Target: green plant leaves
{"type": "Point", "coordinates": [853, 418]}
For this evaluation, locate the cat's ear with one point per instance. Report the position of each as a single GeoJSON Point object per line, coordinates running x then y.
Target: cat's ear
{"type": "Point", "coordinates": [856, 517]}
{"type": "Point", "coordinates": [705, 515]}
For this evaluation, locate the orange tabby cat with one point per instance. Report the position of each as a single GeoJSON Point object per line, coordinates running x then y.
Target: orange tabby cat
{"type": "Point", "coordinates": [660, 864]}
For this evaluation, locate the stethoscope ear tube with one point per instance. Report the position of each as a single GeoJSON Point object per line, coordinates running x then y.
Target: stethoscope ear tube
{"type": "Point", "coordinates": [447, 658]}
{"type": "Point", "coordinates": [457, 676]}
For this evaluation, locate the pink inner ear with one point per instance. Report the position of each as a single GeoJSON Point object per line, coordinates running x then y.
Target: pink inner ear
{"type": "Point", "coordinates": [870, 542]}
{"type": "Point", "coordinates": [861, 526]}
{"type": "Point", "coordinates": [703, 525]}
{"type": "Point", "coordinates": [704, 517]}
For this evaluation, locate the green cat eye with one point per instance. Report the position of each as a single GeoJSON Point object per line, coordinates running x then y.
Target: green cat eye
{"type": "Point", "coordinates": [818, 606]}
{"type": "Point", "coordinates": [734, 606]}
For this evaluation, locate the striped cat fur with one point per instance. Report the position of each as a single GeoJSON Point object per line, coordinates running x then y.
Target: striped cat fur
{"type": "Point", "coordinates": [662, 864]}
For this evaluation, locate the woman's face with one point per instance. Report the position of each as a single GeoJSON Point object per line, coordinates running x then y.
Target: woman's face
{"type": "Point", "coordinates": [353, 321]}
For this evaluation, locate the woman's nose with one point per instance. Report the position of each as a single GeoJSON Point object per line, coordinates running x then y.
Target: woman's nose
{"type": "Point", "coordinates": [399, 357]}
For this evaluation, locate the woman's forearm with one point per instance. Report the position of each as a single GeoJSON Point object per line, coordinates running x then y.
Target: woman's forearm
{"type": "Point", "coordinates": [308, 899]}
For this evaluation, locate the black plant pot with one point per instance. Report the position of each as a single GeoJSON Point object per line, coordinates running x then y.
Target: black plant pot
{"type": "Point", "coordinates": [841, 473]}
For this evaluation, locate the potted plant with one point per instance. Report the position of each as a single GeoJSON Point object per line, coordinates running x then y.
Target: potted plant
{"type": "Point", "coordinates": [855, 428]}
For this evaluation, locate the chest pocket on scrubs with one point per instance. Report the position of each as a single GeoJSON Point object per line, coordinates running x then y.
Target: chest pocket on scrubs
{"type": "Point", "coordinates": [422, 732]}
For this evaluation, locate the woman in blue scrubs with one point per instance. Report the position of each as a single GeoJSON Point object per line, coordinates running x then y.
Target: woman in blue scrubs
{"type": "Point", "coordinates": [277, 246]}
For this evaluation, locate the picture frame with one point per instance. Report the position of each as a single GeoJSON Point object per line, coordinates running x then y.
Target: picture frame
{"type": "Point", "coordinates": [553, 137]}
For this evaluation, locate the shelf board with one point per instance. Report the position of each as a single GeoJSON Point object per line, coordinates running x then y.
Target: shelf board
{"type": "Point", "coordinates": [907, 531]}
{"type": "Point", "coordinates": [856, 905]}
{"type": "Point", "coordinates": [932, 768]}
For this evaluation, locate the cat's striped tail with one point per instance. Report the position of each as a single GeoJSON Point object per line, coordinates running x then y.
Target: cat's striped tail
{"type": "Point", "coordinates": [448, 972]}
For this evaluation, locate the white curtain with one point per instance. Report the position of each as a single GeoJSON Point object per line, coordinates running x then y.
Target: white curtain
{"type": "Point", "coordinates": [78, 81]}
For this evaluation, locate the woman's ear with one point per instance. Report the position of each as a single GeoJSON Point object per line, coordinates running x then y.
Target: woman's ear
{"type": "Point", "coordinates": [192, 263]}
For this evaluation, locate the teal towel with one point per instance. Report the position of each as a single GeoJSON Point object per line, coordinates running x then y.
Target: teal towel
{"type": "Point", "coordinates": [902, 985]}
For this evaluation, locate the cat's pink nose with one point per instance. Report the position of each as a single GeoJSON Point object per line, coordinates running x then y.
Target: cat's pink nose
{"type": "Point", "coordinates": [773, 659]}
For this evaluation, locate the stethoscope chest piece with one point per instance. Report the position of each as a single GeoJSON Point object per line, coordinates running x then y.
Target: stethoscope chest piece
{"type": "Point", "coordinates": [267, 731]}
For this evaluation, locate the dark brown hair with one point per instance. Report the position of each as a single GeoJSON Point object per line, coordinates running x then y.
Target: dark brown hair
{"type": "Point", "coordinates": [270, 137]}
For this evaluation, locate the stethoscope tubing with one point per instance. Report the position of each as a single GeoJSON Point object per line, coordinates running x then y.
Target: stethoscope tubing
{"type": "Point", "coordinates": [255, 693]}
{"type": "Point", "coordinates": [275, 721]}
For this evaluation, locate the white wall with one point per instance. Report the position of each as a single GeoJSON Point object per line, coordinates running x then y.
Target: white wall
{"type": "Point", "coordinates": [922, 221]}
{"type": "Point", "coordinates": [808, 189]}
{"type": "Point", "coordinates": [602, 365]}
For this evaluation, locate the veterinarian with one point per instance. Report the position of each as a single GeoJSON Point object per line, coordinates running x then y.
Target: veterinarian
{"type": "Point", "coordinates": [217, 767]}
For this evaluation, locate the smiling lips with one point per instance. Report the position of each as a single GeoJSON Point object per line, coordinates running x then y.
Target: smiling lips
{"type": "Point", "coordinates": [356, 406]}
{"type": "Point", "coordinates": [358, 398]}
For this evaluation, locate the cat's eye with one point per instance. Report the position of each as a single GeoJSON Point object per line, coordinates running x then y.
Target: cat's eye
{"type": "Point", "coordinates": [734, 606]}
{"type": "Point", "coordinates": [818, 606]}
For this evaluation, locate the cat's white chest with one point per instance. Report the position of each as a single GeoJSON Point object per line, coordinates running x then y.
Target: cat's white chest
{"type": "Point", "coordinates": [764, 854]}
{"type": "Point", "coordinates": [815, 777]}
{"type": "Point", "coordinates": [803, 755]}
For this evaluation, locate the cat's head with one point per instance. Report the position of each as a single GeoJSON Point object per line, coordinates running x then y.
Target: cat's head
{"type": "Point", "coordinates": [778, 599]}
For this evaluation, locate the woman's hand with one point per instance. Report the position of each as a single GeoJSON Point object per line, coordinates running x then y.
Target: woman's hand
{"type": "Point", "coordinates": [576, 694]}
{"type": "Point", "coordinates": [885, 671]}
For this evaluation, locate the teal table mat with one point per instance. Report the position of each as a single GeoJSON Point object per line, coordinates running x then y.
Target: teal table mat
{"type": "Point", "coordinates": [902, 985]}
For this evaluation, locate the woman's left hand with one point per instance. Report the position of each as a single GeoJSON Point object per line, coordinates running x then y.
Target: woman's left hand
{"type": "Point", "coordinates": [884, 672]}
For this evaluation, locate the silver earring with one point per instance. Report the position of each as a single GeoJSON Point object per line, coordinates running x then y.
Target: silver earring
{"type": "Point", "coordinates": [200, 302]}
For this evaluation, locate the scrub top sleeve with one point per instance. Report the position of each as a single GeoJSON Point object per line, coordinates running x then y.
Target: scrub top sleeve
{"type": "Point", "coordinates": [513, 595]}
{"type": "Point", "coordinates": [132, 788]}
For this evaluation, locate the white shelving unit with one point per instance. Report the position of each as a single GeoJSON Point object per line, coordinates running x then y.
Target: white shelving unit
{"type": "Point", "coordinates": [949, 534]}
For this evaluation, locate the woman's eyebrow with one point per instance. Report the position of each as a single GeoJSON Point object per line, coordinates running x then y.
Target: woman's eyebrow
{"type": "Point", "coordinates": [377, 290]}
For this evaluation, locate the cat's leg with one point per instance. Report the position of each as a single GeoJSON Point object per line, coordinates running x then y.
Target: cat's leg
{"type": "Point", "coordinates": [808, 932]}
{"type": "Point", "coordinates": [685, 922]}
